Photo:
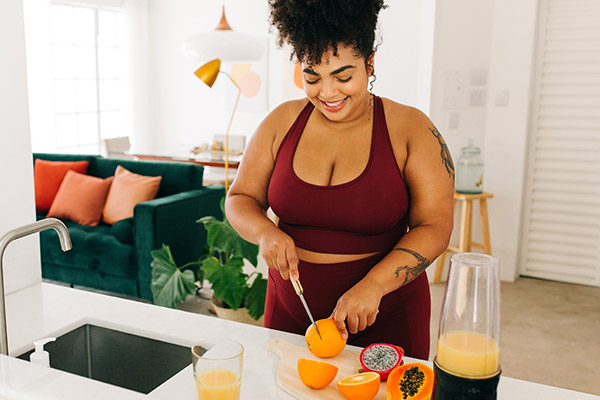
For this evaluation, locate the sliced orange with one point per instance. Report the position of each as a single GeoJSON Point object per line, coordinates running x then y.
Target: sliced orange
{"type": "Point", "coordinates": [316, 374]}
{"type": "Point", "coordinates": [363, 386]}
{"type": "Point", "coordinates": [329, 344]}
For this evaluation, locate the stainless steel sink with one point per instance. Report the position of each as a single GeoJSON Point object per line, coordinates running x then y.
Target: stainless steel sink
{"type": "Point", "coordinates": [122, 359]}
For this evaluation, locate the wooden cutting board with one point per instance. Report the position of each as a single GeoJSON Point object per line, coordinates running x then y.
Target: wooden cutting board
{"type": "Point", "coordinates": [287, 374]}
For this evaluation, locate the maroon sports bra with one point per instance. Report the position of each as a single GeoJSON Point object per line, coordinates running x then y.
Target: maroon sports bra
{"type": "Point", "coordinates": [367, 214]}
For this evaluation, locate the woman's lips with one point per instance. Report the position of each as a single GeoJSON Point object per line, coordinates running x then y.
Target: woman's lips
{"type": "Point", "coordinates": [334, 106]}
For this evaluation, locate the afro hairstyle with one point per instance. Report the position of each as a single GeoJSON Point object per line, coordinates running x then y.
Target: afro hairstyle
{"type": "Point", "coordinates": [313, 27]}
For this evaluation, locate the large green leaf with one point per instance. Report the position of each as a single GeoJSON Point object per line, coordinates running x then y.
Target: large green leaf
{"type": "Point", "coordinates": [228, 281]}
{"type": "Point", "coordinates": [254, 299]}
{"type": "Point", "coordinates": [222, 237]}
{"type": "Point", "coordinates": [169, 284]}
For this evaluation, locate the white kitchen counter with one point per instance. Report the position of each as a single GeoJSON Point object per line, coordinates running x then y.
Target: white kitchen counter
{"type": "Point", "coordinates": [49, 310]}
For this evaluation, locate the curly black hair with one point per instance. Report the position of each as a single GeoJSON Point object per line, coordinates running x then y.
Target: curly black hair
{"type": "Point", "coordinates": [313, 27]}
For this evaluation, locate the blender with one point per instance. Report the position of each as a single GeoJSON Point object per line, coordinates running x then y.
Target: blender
{"type": "Point", "coordinates": [467, 362]}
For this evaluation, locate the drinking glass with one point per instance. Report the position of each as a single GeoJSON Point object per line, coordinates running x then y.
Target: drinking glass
{"type": "Point", "coordinates": [217, 365]}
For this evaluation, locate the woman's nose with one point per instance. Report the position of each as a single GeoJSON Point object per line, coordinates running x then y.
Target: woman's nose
{"type": "Point", "coordinates": [328, 90]}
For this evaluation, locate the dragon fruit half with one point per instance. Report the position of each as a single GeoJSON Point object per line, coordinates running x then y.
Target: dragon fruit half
{"type": "Point", "coordinates": [381, 358]}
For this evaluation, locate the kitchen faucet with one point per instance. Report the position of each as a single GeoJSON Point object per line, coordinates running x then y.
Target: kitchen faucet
{"type": "Point", "coordinates": [41, 225]}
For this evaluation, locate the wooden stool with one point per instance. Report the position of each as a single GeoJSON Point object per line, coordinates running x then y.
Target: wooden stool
{"type": "Point", "coordinates": [465, 243]}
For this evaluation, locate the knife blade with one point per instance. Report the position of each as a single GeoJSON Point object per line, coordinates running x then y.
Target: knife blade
{"type": "Point", "coordinates": [299, 291]}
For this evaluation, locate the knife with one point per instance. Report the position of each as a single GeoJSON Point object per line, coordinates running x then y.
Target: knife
{"type": "Point", "coordinates": [299, 290]}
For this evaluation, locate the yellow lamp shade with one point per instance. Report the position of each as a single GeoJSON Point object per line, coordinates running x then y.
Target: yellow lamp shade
{"type": "Point", "coordinates": [209, 71]}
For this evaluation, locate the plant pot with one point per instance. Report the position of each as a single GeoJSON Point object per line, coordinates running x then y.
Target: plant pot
{"type": "Point", "coordinates": [239, 315]}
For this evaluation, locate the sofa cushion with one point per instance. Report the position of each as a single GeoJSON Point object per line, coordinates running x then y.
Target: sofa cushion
{"type": "Point", "coordinates": [123, 230]}
{"type": "Point", "coordinates": [95, 249]}
{"type": "Point", "coordinates": [80, 198]}
{"type": "Point", "coordinates": [48, 175]}
{"type": "Point", "coordinates": [127, 190]}
{"type": "Point", "coordinates": [177, 177]}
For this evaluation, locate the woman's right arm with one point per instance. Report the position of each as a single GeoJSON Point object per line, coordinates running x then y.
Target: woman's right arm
{"type": "Point", "coordinates": [247, 202]}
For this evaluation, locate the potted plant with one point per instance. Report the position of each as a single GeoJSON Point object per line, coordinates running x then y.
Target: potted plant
{"type": "Point", "coordinates": [221, 264]}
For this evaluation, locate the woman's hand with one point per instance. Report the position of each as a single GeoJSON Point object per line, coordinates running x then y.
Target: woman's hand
{"type": "Point", "coordinates": [279, 252]}
{"type": "Point", "coordinates": [359, 307]}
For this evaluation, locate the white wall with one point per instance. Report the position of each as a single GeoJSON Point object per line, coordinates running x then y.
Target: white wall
{"type": "Point", "coordinates": [507, 127]}
{"type": "Point", "coordinates": [185, 112]}
{"type": "Point", "coordinates": [494, 39]}
{"type": "Point", "coordinates": [21, 259]}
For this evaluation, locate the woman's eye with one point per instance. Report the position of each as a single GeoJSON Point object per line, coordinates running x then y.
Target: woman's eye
{"type": "Point", "coordinates": [345, 80]}
{"type": "Point", "coordinates": [311, 82]}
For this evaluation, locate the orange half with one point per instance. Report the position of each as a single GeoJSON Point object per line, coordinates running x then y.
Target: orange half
{"type": "Point", "coordinates": [363, 386]}
{"type": "Point", "coordinates": [316, 374]}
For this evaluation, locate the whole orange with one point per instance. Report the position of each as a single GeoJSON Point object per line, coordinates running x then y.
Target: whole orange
{"type": "Point", "coordinates": [363, 386]}
{"type": "Point", "coordinates": [316, 374]}
{"type": "Point", "coordinates": [329, 344]}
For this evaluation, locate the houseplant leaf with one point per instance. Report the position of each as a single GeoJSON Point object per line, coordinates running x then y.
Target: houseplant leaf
{"type": "Point", "coordinates": [223, 238]}
{"type": "Point", "coordinates": [227, 280]}
{"type": "Point", "coordinates": [254, 299]}
{"type": "Point", "coordinates": [169, 284]}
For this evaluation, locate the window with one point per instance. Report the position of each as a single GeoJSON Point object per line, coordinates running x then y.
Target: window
{"type": "Point", "coordinates": [89, 71]}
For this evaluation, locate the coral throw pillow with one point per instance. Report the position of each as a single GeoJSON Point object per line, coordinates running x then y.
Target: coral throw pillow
{"type": "Point", "coordinates": [126, 192]}
{"type": "Point", "coordinates": [48, 175]}
{"type": "Point", "coordinates": [80, 198]}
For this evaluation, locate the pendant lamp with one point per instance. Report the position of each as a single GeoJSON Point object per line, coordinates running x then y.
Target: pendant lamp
{"type": "Point", "coordinates": [223, 43]}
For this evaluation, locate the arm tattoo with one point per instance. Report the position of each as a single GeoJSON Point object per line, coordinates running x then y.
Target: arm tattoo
{"type": "Point", "coordinates": [445, 153]}
{"type": "Point", "coordinates": [412, 272]}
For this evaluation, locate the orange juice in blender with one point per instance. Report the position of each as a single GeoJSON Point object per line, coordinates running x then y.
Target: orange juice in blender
{"type": "Point", "coordinates": [468, 353]}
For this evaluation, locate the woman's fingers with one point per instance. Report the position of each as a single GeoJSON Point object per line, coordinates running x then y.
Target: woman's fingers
{"type": "Point", "coordinates": [363, 323]}
{"type": "Point", "coordinates": [340, 321]}
{"type": "Point", "coordinates": [353, 323]}
{"type": "Point", "coordinates": [292, 262]}
{"type": "Point", "coordinates": [282, 264]}
{"type": "Point", "coordinates": [371, 318]}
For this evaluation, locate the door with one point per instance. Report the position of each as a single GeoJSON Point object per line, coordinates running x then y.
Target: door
{"type": "Point", "coordinates": [561, 218]}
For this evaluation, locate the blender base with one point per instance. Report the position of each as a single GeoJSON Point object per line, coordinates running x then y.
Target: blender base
{"type": "Point", "coordinates": [451, 387]}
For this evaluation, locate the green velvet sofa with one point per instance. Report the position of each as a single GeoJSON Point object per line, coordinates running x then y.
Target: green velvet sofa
{"type": "Point", "coordinates": [117, 258]}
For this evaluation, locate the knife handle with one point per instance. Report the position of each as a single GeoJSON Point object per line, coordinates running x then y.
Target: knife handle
{"type": "Point", "coordinates": [297, 286]}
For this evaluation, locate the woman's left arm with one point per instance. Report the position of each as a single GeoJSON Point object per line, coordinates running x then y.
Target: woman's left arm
{"type": "Point", "coordinates": [429, 175]}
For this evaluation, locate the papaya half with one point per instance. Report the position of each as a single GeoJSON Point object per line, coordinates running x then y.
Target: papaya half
{"type": "Point", "coordinates": [413, 381]}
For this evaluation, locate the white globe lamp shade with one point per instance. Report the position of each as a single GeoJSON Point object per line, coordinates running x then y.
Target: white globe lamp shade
{"type": "Point", "coordinates": [225, 45]}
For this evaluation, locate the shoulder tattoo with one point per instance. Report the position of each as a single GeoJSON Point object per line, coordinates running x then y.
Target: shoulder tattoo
{"type": "Point", "coordinates": [444, 152]}
{"type": "Point", "coordinates": [414, 271]}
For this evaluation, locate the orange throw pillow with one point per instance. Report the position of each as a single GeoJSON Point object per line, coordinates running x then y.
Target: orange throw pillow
{"type": "Point", "coordinates": [80, 198]}
{"type": "Point", "coordinates": [128, 190]}
{"type": "Point", "coordinates": [48, 175]}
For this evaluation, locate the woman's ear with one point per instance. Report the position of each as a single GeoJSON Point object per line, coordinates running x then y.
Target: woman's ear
{"type": "Point", "coordinates": [371, 64]}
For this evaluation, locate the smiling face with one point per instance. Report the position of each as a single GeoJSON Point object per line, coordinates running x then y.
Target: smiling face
{"type": "Point", "coordinates": [337, 87]}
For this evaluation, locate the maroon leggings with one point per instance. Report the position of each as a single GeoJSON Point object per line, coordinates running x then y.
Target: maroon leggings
{"type": "Point", "coordinates": [403, 317]}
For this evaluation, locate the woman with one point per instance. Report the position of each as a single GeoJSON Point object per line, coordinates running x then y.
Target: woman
{"type": "Point", "coordinates": [362, 187]}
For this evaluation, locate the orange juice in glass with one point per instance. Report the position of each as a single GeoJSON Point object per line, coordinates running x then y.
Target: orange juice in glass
{"type": "Point", "coordinates": [217, 367]}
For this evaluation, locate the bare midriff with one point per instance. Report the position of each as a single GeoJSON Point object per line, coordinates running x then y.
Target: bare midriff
{"type": "Point", "coordinates": [328, 258]}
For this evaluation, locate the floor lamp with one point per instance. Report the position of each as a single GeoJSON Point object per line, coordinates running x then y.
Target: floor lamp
{"type": "Point", "coordinates": [222, 43]}
{"type": "Point", "coordinates": [208, 74]}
